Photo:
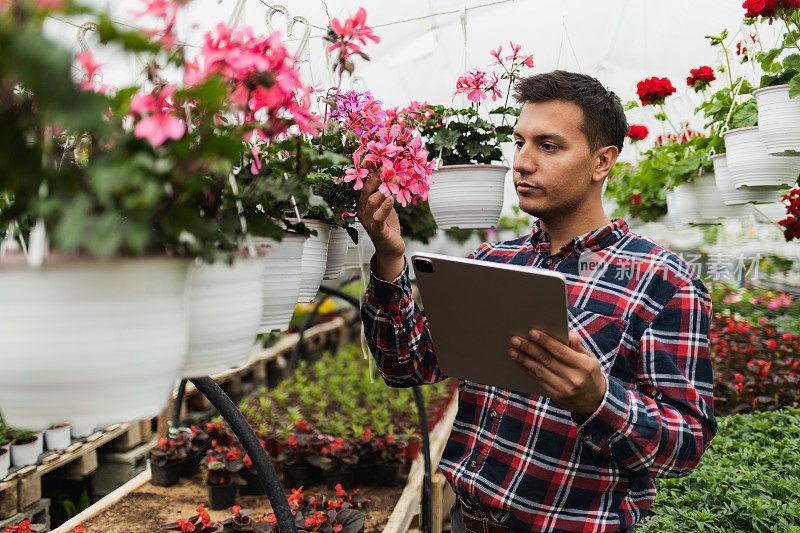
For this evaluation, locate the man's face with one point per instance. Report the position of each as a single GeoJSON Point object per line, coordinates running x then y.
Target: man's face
{"type": "Point", "coordinates": [552, 166]}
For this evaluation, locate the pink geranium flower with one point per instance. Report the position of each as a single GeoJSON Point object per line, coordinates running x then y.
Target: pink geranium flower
{"type": "Point", "coordinates": [156, 123]}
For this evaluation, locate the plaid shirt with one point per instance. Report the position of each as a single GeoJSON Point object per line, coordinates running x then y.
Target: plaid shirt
{"type": "Point", "coordinates": [535, 466]}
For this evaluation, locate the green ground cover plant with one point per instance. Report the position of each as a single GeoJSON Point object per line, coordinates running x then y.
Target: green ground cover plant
{"type": "Point", "coordinates": [748, 480]}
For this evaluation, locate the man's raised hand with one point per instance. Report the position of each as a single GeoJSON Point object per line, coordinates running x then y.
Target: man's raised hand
{"type": "Point", "coordinates": [376, 212]}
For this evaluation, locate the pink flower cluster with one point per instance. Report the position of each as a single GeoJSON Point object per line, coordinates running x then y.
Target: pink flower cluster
{"type": "Point", "coordinates": [156, 119]}
{"type": "Point", "coordinates": [477, 84]}
{"type": "Point", "coordinates": [397, 151]}
{"type": "Point", "coordinates": [263, 79]}
{"type": "Point", "coordinates": [167, 12]}
{"type": "Point", "coordinates": [349, 34]}
{"type": "Point", "coordinates": [387, 145]}
{"type": "Point", "coordinates": [358, 112]}
{"type": "Point", "coordinates": [91, 69]}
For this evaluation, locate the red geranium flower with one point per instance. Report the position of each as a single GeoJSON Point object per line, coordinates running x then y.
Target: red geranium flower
{"type": "Point", "coordinates": [767, 8]}
{"type": "Point", "coordinates": [637, 132]}
{"type": "Point", "coordinates": [700, 78]}
{"type": "Point", "coordinates": [634, 199]}
{"type": "Point", "coordinates": [654, 90]}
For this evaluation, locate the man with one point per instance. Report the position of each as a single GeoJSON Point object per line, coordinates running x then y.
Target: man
{"type": "Point", "coordinates": [628, 400]}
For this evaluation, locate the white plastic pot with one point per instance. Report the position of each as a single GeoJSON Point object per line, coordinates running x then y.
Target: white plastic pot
{"type": "Point", "coordinates": [709, 200]}
{"type": "Point", "coordinates": [686, 204]}
{"type": "Point", "coordinates": [770, 213]}
{"type": "Point", "coordinates": [315, 259]}
{"type": "Point", "coordinates": [81, 431]}
{"type": "Point", "coordinates": [778, 120]}
{"type": "Point", "coordinates": [90, 342]}
{"type": "Point", "coordinates": [57, 438]}
{"type": "Point", "coordinates": [25, 454]}
{"type": "Point", "coordinates": [337, 251]}
{"type": "Point", "coordinates": [361, 253]}
{"type": "Point", "coordinates": [281, 281]}
{"type": "Point", "coordinates": [730, 194]}
{"type": "Point", "coordinates": [749, 164]}
{"type": "Point", "coordinates": [225, 304]}
{"type": "Point", "coordinates": [5, 462]}
{"type": "Point", "coordinates": [467, 196]}
{"type": "Point", "coordinates": [671, 220]}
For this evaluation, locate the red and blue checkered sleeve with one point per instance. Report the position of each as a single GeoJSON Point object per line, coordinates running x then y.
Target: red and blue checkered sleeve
{"type": "Point", "coordinates": [397, 333]}
{"type": "Point", "coordinates": [663, 427]}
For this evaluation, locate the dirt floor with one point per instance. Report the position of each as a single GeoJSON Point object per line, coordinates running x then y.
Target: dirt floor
{"type": "Point", "coordinates": [143, 510]}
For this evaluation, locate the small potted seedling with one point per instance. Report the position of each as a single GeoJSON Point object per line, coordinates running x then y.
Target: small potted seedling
{"type": "Point", "coordinates": [25, 448]}
{"type": "Point", "coordinates": [165, 461]}
{"type": "Point", "coordinates": [222, 468]}
{"type": "Point", "coordinates": [57, 437]}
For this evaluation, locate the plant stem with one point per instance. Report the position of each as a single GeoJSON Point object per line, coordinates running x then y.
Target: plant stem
{"type": "Point", "coordinates": [677, 132]}
{"type": "Point", "coordinates": [728, 61]}
{"type": "Point", "coordinates": [789, 29]}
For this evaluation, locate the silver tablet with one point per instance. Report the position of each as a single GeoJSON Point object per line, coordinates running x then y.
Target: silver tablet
{"type": "Point", "coordinates": [474, 307]}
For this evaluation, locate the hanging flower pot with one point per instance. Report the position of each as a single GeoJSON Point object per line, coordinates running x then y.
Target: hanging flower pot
{"type": "Point", "coordinates": [337, 252]}
{"type": "Point", "coordinates": [672, 220]}
{"type": "Point", "coordinates": [771, 213]}
{"type": "Point", "coordinates": [57, 438]}
{"type": "Point", "coordinates": [709, 200]}
{"type": "Point", "coordinates": [361, 253]}
{"type": "Point", "coordinates": [730, 194]}
{"type": "Point", "coordinates": [281, 281]}
{"type": "Point", "coordinates": [103, 339]}
{"type": "Point", "coordinates": [315, 259]}
{"type": "Point", "coordinates": [778, 120]}
{"type": "Point", "coordinates": [467, 196]}
{"type": "Point", "coordinates": [749, 164]}
{"type": "Point", "coordinates": [225, 306]}
{"type": "Point", "coordinates": [686, 204]}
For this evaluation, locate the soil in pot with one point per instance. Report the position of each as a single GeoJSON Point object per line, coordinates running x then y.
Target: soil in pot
{"type": "Point", "coordinates": [388, 475]}
{"type": "Point", "coordinates": [296, 476]}
{"type": "Point", "coordinates": [221, 496]}
{"type": "Point", "coordinates": [167, 475]}
{"type": "Point", "coordinates": [346, 478]}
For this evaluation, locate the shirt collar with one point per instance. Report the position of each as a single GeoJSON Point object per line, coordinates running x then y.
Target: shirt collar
{"type": "Point", "coordinates": [593, 240]}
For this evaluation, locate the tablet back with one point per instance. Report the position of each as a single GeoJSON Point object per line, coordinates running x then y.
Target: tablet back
{"type": "Point", "coordinates": [474, 307]}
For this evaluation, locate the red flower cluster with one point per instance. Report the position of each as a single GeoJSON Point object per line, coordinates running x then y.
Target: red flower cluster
{"type": "Point", "coordinates": [756, 367]}
{"type": "Point", "coordinates": [635, 199]}
{"type": "Point", "coordinates": [24, 527]}
{"type": "Point", "coordinates": [767, 8]}
{"type": "Point", "coordinates": [637, 132]}
{"type": "Point", "coordinates": [686, 134]}
{"type": "Point", "coordinates": [654, 90]}
{"type": "Point", "coordinates": [792, 222]}
{"type": "Point", "coordinates": [700, 78]}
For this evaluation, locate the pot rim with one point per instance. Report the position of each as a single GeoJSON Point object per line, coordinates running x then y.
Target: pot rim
{"type": "Point", "coordinates": [457, 167]}
{"type": "Point", "coordinates": [15, 259]}
{"type": "Point", "coordinates": [737, 130]}
{"type": "Point", "coordinates": [304, 220]}
{"type": "Point", "coordinates": [772, 87]}
{"type": "Point", "coordinates": [717, 156]}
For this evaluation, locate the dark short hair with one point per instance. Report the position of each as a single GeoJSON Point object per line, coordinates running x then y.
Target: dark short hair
{"type": "Point", "coordinates": [604, 122]}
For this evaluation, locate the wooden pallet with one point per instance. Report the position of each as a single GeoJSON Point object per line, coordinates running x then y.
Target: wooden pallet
{"type": "Point", "coordinates": [409, 505]}
{"type": "Point", "coordinates": [22, 488]}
